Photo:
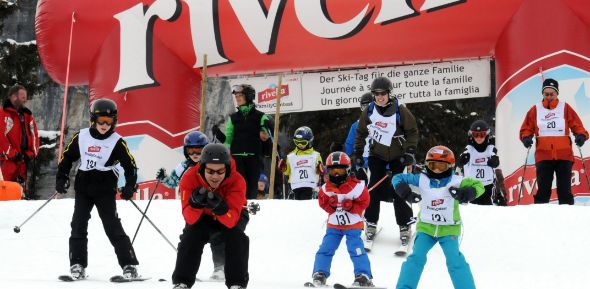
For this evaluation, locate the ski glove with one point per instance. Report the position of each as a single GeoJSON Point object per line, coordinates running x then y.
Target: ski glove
{"type": "Point", "coordinates": [217, 133]}
{"type": "Point", "coordinates": [359, 161]}
{"type": "Point", "coordinates": [527, 141]}
{"type": "Point", "coordinates": [408, 158]}
{"type": "Point", "coordinates": [333, 202]}
{"type": "Point", "coordinates": [198, 198]}
{"type": "Point", "coordinates": [62, 184]}
{"type": "Point", "coordinates": [216, 203]}
{"type": "Point", "coordinates": [494, 161]}
{"type": "Point", "coordinates": [463, 195]}
{"type": "Point", "coordinates": [128, 191]}
{"type": "Point", "coordinates": [580, 140]}
{"type": "Point", "coordinates": [404, 191]}
{"type": "Point", "coordinates": [282, 165]}
{"type": "Point", "coordinates": [161, 174]}
{"type": "Point", "coordinates": [18, 157]}
{"type": "Point", "coordinates": [464, 159]}
{"type": "Point", "coordinates": [347, 204]}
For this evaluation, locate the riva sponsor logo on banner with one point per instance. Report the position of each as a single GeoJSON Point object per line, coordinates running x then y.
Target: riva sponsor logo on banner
{"type": "Point", "coordinates": [343, 89]}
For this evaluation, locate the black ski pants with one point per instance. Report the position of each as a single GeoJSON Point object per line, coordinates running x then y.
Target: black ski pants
{"type": "Point", "coordinates": [249, 167]}
{"type": "Point", "coordinates": [563, 173]}
{"type": "Point", "coordinates": [403, 211]}
{"type": "Point", "coordinates": [107, 210]}
{"type": "Point", "coordinates": [193, 239]}
{"type": "Point", "coordinates": [303, 193]}
{"type": "Point", "coordinates": [486, 197]}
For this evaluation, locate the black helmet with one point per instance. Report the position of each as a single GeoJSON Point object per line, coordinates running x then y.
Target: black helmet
{"type": "Point", "coordinates": [247, 90]}
{"type": "Point", "coordinates": [103, 107]}
{"type": "Point", "coordinates": [479, 125]}
{"type": "Point", "coordinates": [381, 84]}
{"type": "Point", "coordinates": [366, 99]}
{"type": "Point", "coordinates": [215, 153]}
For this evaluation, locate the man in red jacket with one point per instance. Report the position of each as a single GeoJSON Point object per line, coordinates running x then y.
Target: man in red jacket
{"type": "Point", "coordinates": [551, 122]}
{"type": "Point", "coordinates": [19, 140]}
{"type": "Point", "coordinates": [213, 195]}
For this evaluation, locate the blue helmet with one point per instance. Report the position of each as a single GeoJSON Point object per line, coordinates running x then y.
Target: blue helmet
{"type": "Point", "coordinates": [194, 139]}
{"type": "Point", "coordinates": [303, 135]}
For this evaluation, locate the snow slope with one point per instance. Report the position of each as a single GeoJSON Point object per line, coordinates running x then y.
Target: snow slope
{"type": "Point", "coordinates": [537, 246]}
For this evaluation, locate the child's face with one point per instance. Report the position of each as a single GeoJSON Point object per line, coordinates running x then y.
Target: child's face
{"type": "Point", "coordinates": [479, 139]}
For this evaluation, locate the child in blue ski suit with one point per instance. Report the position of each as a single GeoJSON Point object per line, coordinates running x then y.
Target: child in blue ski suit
{"type": "Point", "coordinates": [439, 220]}
{"type": "Point", "coordinates": [345, 198]}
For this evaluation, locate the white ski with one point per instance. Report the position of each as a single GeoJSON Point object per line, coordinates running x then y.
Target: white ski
{"type": "Point", "coordinates": [369, 243]}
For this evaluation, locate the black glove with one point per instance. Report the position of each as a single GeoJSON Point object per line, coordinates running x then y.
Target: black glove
{"type": "Point", "coordinates": [62, 184]}
{"type": "Point", "coordinates": [404, 191]}
{"type": "Point", "coordinates": [216, 203]}
{"type": "Point", "coordinates": [359, 161]}
{"type": "Point", "coordinates": [527, 141]}
{"type": "Point", "coordinates": [128, 191]}
{"type": "Point", "coordinates": [408, 158]}
{"type": "Point", "coordinates": [494, 161]}
{"type": "Point", "coordinates": [198, 198]}
{"type": "Point", "coordinates": [464, 159]}
{"type": "Point", "coordinates": [161, 175]}
{"type": "Point", "coordinates": [463, 195]}
{"type": "Point", "coordinates": [217, 133]}
{"type": "Point", "coordinates": [18, 157]}
{"type": "Point", "coordinates": [580, 140]}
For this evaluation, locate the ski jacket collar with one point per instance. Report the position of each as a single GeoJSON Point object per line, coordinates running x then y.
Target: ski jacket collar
{"type": "Point", "coordinates": [8, 106]}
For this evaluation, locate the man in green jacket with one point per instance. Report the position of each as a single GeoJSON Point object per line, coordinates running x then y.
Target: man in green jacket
{"type": "Point", "coordinates": [393, 136]}
{"type": "Point", "coordinates": [245, 132]}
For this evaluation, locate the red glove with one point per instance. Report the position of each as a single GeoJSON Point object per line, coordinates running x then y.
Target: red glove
{"type": "Point", "coordinates": [282, 165]}
{"type": "Point", "coordinates": [347, 204]}
{"type": "Point", "coordinates": [333, 201]}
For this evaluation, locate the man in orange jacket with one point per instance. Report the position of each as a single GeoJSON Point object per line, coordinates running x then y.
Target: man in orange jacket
{"type": "Point", "coordinates": [550, 122]}
{"type": "Point", "coordinates": [213, 195]}
{"type": "Point", "coordinates": [19, 138]}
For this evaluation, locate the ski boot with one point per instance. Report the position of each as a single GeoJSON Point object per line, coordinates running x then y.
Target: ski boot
{"type": "Point", "coordinates": [371, 231]}
{"type": "Point", "coordinates": [405, 233]}
{"type": "Point", "coordinates": [362, 280]}
{"type": "Point", "coordinates": [237, 287]}
{"type": "Point", "coordinates": [218, 274]}
{"type": "Point", "coordinates": [319, 279]}
{"type": "Point", "coordinates": [180, 286]}
{"type": "Point", "coordinates": [130, 272]}
{"type": "Point", "coordinates": [78, 272]}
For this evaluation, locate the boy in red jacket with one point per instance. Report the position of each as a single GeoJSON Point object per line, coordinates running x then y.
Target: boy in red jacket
{"type": "Point", "coordinates": [345, 198]}
{"type": "Point", "coordinates": [213, 194]}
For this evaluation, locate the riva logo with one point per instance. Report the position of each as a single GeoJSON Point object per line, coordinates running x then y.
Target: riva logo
{"type": "Point", "coordinates": [437, 202]}
{"type": "Point", "coordinates": [260, 22]}
{"type": "Point", "coordinates": [549, 115]}
{"type": "Point", "coordinates": [271, 93]}
{"type": "Point", "coordinates": [93, 149]}
{"type": "Point", "coordinates": [302, 162]}
{"type": "Point", "coordinates": [480, 160]}
{"type": "Point", "coordinates": [381, 124]}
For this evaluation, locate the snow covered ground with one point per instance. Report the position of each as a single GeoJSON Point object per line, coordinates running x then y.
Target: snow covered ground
{"type": "Point", "coordinates": [540, 247]}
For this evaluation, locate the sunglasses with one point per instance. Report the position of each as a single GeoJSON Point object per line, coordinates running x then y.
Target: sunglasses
{"type": "Point", "coordinates": [380, 93]}
{"type": "Point", "coordinates": [337, 171]}
{"type": "Point", "coordinates": [194, 151]}
{"type": "Point", "coordinates": [105, 120]}
{"type": "Point", "coordinates": [220, 172]}
{"type": "Point", "coordinates": [479, 134]}
{"type": "Point", "coordinates": [438, 166]}
{"type": "Point", "coordinates": [548, 94]}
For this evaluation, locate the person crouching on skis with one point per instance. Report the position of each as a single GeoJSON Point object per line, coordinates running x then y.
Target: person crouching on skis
{"type": "Point", "coordinates": [213, 196]}
{"type": "Point", "coordinates": [345, 198]}
{"type": "Point", "coordinates": [439, 220]}
{"type": "Point", "coordinates": [99, 149]}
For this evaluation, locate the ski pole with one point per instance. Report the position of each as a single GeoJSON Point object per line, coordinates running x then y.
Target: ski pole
{"type": "Point", "coordinates": [523, 174]}
{"type": "Point", "coordinates": [17, 228]}
{"type": "Point", "coordinates": [155, 227]}
{"type": "Point", "coordinates": [146, 209]}
{"type": "Point", "coordinates": [584, 166]}
{"type": "Point", "coordinates": [388, 174]}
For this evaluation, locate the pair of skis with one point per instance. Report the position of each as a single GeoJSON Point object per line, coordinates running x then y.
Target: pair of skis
{"type": "Point", "coordinates": [115, 279]}
{"type": "Point", "coordinates": [402, 251]}
{"type": "Point", "coordinates": [338, 286]}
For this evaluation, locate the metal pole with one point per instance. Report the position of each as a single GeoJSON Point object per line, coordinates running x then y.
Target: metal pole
{"type": "Point", "coordinates": [17, 228]}
{"type": "Point", "coordinates": [203, 94]}
{"type": "Point", "coordinates": [584, 166]}
{"type": "Point", "coordinates": [523, 174]}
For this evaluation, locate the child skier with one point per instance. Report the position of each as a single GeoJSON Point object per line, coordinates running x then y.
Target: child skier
{"type": "Point", "coordinates": [194, 142]}
{"type": "Point", "coordinates": [479, 159]}
{"type": "Point", "coordinates": [303, 165]}
{"type": "Point", "coordinates": [439, 220]}
{"type": "Point", "coordinates": [99, 149]}
{"type": "Point", "coordinates": [345, 198]}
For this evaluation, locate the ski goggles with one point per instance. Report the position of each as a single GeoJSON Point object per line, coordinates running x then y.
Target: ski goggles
{"type": "Point", "coordinates": [105, 120]}
{"type": "Point", "coordinates": [337, 171]}
{"type": "Point", "coordinates": [380, 92]}
{"type": "Point", "coordinates": [302, 142]}
{"type": "Point", "coordinates": [194, 151]}
{"type": "Point", "coordinates": [220, 172]}
{"type": "Point", "coordinates": [479, 134]}
{"type": "Point", "coordinates": [438, 166]}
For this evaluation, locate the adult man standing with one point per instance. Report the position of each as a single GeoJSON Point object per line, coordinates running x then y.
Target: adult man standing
{"type": "Point", "coordinates": [551, 122]}
{"type": "Point", "coordinates": [19, 140]}
{"type": "Point", "coordinates": [392, 134]}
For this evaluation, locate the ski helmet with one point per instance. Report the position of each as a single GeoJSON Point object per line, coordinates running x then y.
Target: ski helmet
{"type": "Point", "coordinates": [194, 139]}
{"type": "Point", "coordinates": [439, 158]}
{"type": "Point", "coordinates": [479, 126]}
{"type": "Point", "coordinates": [338, 160]}
{"type": "Point", "coordinates": [381, 84]}
{"type": "Point", "coordinates": [247, 90]}
{"type": "Point", "coordinates": [303, 135]}
{"type": "Point", "coordinates": [215, 153]}
{"type": "Point", "coordinates": [366, 99]}
{"type": "Point", "coordinates": [103, 107]}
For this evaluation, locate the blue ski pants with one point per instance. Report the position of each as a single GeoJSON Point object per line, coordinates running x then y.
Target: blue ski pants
{"type": "Point", "coordinates": [356, 250]}
{"type": "Point", "coordinates": [456, 265]}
